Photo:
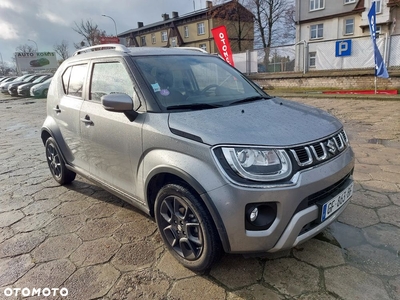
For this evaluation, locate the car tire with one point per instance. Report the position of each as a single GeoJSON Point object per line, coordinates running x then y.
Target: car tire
{"type": "Point", "coordinates": [44, 94]}
{"type": "Point", "coordinates": [187, 228]}
{"type": "Point", "coordinates": [56, 163]}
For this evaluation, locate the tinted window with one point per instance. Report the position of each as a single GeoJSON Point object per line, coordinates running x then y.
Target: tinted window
{"type": "Point", "coordinates": [110, 78]}
{"type": "Point", "coordinates": [73, 79]}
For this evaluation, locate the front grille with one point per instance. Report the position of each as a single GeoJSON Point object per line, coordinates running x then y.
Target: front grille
{"type": "Point", "coordinates": [321, 151]}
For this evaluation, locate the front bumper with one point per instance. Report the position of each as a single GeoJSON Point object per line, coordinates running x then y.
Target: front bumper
{"type": "Point", "coordinates": [292, 225]}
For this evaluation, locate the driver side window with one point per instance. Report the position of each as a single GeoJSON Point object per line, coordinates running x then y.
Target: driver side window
{"type": "Point", "coordinates": [110, 78]}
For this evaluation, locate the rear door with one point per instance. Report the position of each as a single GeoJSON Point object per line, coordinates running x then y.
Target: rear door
{"type": "Point", "coordinates": [113, 143]}
{"type": "Point", "coordinates": [66, 113]}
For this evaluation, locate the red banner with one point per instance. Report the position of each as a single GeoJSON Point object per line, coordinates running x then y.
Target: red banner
{"type": "Point", "coordinates": [109, 40]}
{"type": "Point", "coordinates": [221, 39]}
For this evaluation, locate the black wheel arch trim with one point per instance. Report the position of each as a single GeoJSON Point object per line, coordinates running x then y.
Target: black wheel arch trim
{"type": "Point", "coordinates": [193, 183]}
{"type": "Point", "coordinates": [55, 133]}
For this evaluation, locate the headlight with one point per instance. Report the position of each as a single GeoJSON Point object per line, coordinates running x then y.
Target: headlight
{"type": "Point", "coordinates": [259, 164]}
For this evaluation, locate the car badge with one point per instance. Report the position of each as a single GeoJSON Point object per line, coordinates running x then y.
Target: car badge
{"type": "Point", "coordinates": [331, 146]}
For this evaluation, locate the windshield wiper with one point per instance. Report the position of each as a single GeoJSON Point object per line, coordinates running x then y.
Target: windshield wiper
{"type": "Point", "coordinates": [193, 106]}
{"type": "Point", "coordinates": [249, 99]}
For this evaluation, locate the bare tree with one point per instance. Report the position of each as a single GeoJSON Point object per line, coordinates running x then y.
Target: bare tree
{"type": "Point", "coordinates": [25, 48]}
{"type": "Point", "coordinates": [62, 50]}
{"type": "Point", "coordinates": [90, 32]}
{"type": "Point", "coordinates": [239, 23]}
{"type": "Point", "coordinates": [272, 18]}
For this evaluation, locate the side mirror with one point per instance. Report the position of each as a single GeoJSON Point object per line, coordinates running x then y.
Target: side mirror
{"type": "Point", "coordinates": [117, 102]}
{"type": "Point", "coordinates": [121, 103]}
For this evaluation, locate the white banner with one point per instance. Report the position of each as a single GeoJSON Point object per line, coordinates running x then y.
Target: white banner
{"type": "Point", "coordinates": [36, 61]}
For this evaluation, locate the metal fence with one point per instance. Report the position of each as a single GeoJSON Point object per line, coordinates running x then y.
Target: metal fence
{"type": "Point", "coordinates": [355, 53]}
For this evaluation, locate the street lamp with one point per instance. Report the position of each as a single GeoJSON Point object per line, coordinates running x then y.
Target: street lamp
{"type": "Point", "coordinates": [37, 49]}
{"type": "Point", "coordinates": [115, 25]}
{"type": "Point", "coordinates": [2, 65]}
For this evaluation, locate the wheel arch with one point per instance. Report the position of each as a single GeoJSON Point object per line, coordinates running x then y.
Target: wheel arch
{"type": "Point", "coordinates": [166, 175]}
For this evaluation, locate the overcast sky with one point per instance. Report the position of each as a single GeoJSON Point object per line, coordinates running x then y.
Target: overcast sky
{"type": "Point", "coordinates": [48, 22]}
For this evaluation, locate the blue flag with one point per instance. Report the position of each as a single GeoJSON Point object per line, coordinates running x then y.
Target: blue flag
{"type": "Point", "coordinates": [380, 68]}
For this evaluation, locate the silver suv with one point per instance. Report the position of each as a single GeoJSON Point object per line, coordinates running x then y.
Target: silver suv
{"type": "Point", "coordinates": [189, 140]}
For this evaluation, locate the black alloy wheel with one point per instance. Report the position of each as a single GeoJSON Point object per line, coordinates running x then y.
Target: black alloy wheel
{"type": "Point", "coordinates": [56, 163]}
{"type": "Point", "coordinates": [187, 228]}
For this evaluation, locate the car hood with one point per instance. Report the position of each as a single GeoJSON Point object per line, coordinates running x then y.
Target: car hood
{"type": "Point", "coordinates": [26, 85]}
{"type": "Point", "coordinates": [274, 122]}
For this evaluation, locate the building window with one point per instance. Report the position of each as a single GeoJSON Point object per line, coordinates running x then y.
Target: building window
{"type": "Point", "coordinates": [317, 4]}
{"type": "Point", "coordinates": [153, 38]}
{"type": "Point", "coordinates": [317, 31]}
{"type": "Point", "coordinates": [349, 1]}
{"type": "Point", "coordinates": [173, 42]}
{"type": "Point", "coordinates": [349, 26]}
{"type": "Point", "coordinates": [378, 6]}
{"type": "Point", "coordinates": [164, 36]}
{"type": "Point", "coordinates": [203, 46]}
{"type": "Point", "coordinates": [312, 57]}
{"type": "Point", "coordinates": [378, 30]}
{"type": "Point", "coordinates": [200, 28]}
{"type": "Point", "coordinates": [186, 29]}
{"type": "Point", "coordinates": [143, 41]}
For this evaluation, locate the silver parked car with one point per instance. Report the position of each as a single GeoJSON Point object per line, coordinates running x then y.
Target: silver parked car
{"type": "Point", "coordinates": [188, 139]}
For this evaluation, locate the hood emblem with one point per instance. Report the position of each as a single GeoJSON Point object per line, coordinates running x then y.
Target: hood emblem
{"type": "Point", "coordinates": [331, 146]}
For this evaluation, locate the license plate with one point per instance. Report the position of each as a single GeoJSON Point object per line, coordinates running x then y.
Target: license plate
{"type": "Point", "coordinates": [337, 202]}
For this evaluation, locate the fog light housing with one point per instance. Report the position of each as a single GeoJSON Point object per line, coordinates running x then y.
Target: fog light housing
{"type": "Point", "coordinates": [260, 216]}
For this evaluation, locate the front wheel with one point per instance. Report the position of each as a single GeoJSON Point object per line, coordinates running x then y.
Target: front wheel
{"type": "Point", "coordinates": [187, 228]}
{"type": "Point", "coordinates": [56, 163]}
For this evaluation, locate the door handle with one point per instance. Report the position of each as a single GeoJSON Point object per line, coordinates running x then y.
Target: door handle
{"type": "Point", "coordinates": [87, 121]}
{"type": "Point", "coordinates": [57, 109]}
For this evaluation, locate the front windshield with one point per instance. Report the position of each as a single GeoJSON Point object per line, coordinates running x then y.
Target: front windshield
{"type": "Point", "coordinates": [190, 81]}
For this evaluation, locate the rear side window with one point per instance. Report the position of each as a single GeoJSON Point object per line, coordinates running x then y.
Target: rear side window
{"type": "Point", "coordinates": [110, 78]}
{"type": "Point", "coordinates": [73, 79]}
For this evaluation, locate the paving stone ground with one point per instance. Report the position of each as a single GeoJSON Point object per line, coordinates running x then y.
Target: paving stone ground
{"type": "Point", "coordinates": [85, 240]}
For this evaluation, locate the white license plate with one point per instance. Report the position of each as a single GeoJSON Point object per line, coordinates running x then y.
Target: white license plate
{"type": "Point", "coordinates": [334, 204]}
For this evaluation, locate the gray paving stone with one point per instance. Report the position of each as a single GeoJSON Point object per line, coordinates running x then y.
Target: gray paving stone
{"type": "Point", "coordinates": [41, 206]}
{"type": "Point", "coordinates": [380, 186]}
{"type": "Point", "coordinates": [5, 234]}
{"type": "Point", "coordinates": [63, 225]}
{"type": "Point", "coordinates": [91, 282]}
{"type": "Point", "coordinates": [101, 210]}
{"type": "Point", "coordinates": [350, 283]}
{"type": "Point", "coordinates": [56, 247]}
{"type": "Point", "coordinates": [50, 274]}
{"type": "Point", "coordinates": [374, 260]}
{"type": "Point", "coordinates": [197, 288]}
{"type": "Point", "coordinates": [21, 243]}
{"type": "Point", "coordinates": [136, 255]}
{"type": "Point", "coordinates": [358, 216]}
{"type": "Point", "coordinates": [319, 254]}
{"type": "Point", "coordinates": [171, 267]}
{"type": "Point", "coordinates": [142, 227]}
{"type": "Point", "coordinates": [395, 287]}
{"type": "Point", "coordinates": [390, 214]}
{"type": "Point", "coordinates": [291, 277]}
{"type": "Point", "coordinates": [395, 198]}
{"type": "Point", "coordinates": [370, 199]}
{"type": "Point", "coordinates": [71, 208]}
{"type": "Point", "coordinates": [33, 222]}
{"type": "Point", "coordinates": [316, 296]}
{"type": "Point", "coordinates": [95, 252]}
{"type": "Point", "coordinates": [384, 236]}
{"type": "Point", "coordinates": [246, 271]}
{"type": "Point", "coordinates": [15, 203]}
{"type": "Point", "coordinates": [10, 217]}
{"type": "Point", "coordinates": [16, 267]}
{"type": "Point", "coordinates": [256, 291]}
{"type": "Point", "coordinates": [141, 284]}
{"type": "Point", "coordinates": [98, 228]}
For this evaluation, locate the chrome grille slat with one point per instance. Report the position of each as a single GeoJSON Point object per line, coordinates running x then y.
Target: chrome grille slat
{"type": "Point", "coordinates": [324, 150]}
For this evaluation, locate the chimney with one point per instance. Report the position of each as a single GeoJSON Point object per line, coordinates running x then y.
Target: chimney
{"type": "Point", "coordinates": [175, 15]}
{"type": "Point", "coordinates": [139, 24]}
{"type": "Point", "coordinates": [165, 17]}
{"type": "Point", "coordinates": [209, 4]}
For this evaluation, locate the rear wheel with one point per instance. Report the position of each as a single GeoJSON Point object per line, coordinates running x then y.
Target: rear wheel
{"type": "Point", "coordinates": [187, 228]}
{"type": "Point", "coordinates": [56, 163]}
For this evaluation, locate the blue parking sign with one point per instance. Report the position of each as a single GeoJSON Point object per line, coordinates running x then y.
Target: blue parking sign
{"type": "Point", "coordinates": [343, 48]}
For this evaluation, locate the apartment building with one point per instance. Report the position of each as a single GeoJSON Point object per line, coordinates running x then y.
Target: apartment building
{"type": "Point", "coordinates": [320, 24]}
{"type": "Point", "coordinates": [194, 29]}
